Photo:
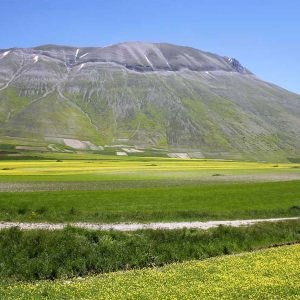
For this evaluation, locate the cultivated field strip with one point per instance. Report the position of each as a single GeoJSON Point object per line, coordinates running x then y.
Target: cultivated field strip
{"type": "Point", "coordinates": [124, 184]}
{"type": "Point", "coordinates": [140, 226]}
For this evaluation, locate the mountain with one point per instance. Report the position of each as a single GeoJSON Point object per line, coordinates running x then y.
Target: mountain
{"type": "Point", "coordinates": [152, 95]}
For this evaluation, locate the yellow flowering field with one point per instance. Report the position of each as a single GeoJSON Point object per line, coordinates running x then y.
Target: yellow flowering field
{"type": "Point", "coordinates": [266, 274]}
{"type": "Point", "coordinates": [138, 165]}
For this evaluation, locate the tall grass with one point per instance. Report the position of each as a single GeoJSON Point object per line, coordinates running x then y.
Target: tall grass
{"type": "Point", "coordinates": [32, 255]}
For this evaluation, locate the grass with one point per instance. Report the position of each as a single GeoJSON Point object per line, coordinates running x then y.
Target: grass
{"type": "Point", "coordinates": [37, 254]}
{"type": "Point", "coordinates": [99, 167]}
{"type": "Point", "coordinates": [101, 188]}
{"type": "Point", "coordinates": [267, 274]}
{"type": "Point", "coordinates": [201, 202]}
{"type": "Point", "coordinates": [134, 189]}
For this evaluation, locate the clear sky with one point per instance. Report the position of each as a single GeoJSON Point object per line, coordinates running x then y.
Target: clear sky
{"type": "Point", "coordinates": [263, 34]}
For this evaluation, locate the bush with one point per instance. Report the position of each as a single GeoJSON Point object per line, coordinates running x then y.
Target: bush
{"type": "Point", "coordinates": [40, 254]}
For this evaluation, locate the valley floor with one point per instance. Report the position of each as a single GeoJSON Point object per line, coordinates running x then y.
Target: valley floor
{"type": "Point", "coordinates": [180, 203]}
{"type": "Point", "coordinates": [125, 198]}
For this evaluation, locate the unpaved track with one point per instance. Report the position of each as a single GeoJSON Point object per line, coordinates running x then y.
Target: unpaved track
{"type": "Point", "coordinates": [139, 226]}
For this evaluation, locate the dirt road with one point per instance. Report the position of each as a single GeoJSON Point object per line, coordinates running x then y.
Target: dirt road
{"type": "Point", "coordinates": [140, 226]}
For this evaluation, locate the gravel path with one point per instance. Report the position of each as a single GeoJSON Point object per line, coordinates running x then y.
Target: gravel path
{"type": "Point", "coordinates": [139, 226]}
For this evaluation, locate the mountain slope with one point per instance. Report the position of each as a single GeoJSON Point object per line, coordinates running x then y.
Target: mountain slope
{"type": "Point", "coordinates": [150, 95]}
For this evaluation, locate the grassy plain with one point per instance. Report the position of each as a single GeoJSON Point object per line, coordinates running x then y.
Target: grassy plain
{"type": "Point", "coordinates": [267, 274]}
{"type": "Point", "coordinates": [199, 202]}
{"type": "Point", "coordinates": [112, 189]}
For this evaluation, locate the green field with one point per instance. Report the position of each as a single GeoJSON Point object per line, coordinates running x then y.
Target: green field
{"type": "Point", "coordinates": [198, 202]}
{"type": "Point", "coordinates": [135, 189]}
{"type": "Point", "coordinates": [267, 274]}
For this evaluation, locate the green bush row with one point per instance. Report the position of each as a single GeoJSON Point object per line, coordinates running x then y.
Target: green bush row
{"type": "Point", "coordinates": [38, 254]}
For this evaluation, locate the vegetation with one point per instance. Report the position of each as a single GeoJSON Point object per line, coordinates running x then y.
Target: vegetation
{"type": "Point", "coordinates": [109, 189]}
{"type": "Point", "coordinates": [99, 188]}
{"type": "Point", "coordinates": [37, 254]}
{"type": "Point", "coordinates": [92, 163]}
{"type": "Point", "coordinates": [201, 202]}
{"type": "Point", "coordinates": [267, 274]}
{"type": "Point", "coordinates": [93, 167]}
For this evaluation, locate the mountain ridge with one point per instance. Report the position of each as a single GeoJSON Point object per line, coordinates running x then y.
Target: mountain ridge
{"type": "Point", "coordinates": [138, 51]}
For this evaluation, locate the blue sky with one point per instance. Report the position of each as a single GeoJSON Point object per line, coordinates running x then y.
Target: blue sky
{"type": "Point", "coordinates": [263, 34]}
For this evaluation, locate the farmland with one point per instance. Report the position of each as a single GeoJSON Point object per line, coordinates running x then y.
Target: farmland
{"type": "Point", "coordinates": [146, 189]}
{"type": "Point", "coordinates": [196, 202]}
{"type": "Point", "coordinates": [75, 167]}
{"type": "Point", "coordinates": [70, 188]}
